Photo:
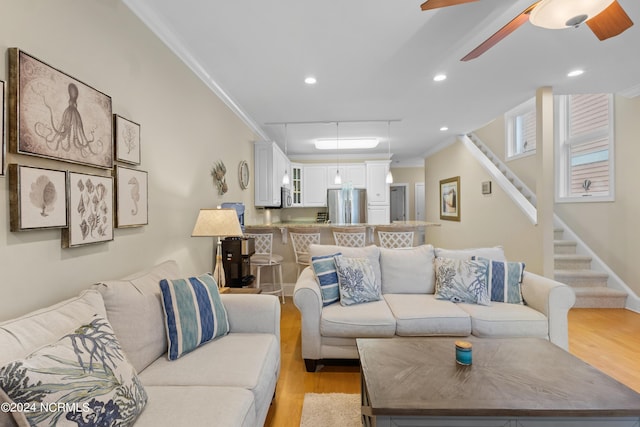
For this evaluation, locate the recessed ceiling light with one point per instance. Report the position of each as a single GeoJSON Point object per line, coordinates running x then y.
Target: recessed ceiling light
{"type": "Point", "coordinates": [444, 128]}
{"type": "Point", "coordinates": [346, 143]}
{"type": "Point", "coordinates": [310, 80]}
{"type": "Point", "coordinates": [575, 73]}
{"type": "Point", "coordinates": [439, 77]}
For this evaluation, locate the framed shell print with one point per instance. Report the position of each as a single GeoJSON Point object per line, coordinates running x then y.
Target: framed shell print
{"type": "Point", "coordinates": [450, 199]}
{"type": "Point", "coordinates": [126, 140]}
{"type": "Point", "coordinates": [131, 197]}
{"type": "Point", "coordinates": [90, 210]}
{"type": "Point", "coordinates": [54, 115]}
{"type": "Point", "coordinates": [37, 198]}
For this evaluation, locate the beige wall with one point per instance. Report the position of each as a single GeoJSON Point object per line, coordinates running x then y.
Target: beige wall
{"type": "Point", "coordinates": [486, 220]}
{"type": "Point", "coordinates": [184, 128]}
{"type": "Point", "coordinates": [409, 176]}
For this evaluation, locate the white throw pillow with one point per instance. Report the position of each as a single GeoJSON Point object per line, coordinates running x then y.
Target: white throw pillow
{"type": "Point", "coordinates": [408, 270]}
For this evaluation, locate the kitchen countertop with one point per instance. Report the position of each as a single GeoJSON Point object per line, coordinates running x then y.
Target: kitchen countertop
{"type": "Point", "coordinates": [288, 224]}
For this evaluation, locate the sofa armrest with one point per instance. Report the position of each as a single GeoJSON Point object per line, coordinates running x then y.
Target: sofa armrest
{"type": "Point", "coordinates": [308, 299]}
{"type": "Point", "coordinates": [253, 313]}
{"type": "Point", "coordinates": [554, 300]}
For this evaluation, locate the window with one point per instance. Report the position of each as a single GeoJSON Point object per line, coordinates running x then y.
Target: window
{"type": "Point", "coordinates": [585, 147]}
{"type": "Point", "coordinates": [521, 130]}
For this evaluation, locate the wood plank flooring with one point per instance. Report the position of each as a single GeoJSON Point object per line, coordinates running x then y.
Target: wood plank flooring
{"type": "Point", "coordinates": [608, 339]}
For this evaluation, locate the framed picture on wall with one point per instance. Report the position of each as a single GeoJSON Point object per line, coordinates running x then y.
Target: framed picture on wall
{"type": "Point", "coordinates": [2, 137]}
{"type": "Point", "coordinates": [450, 199]}
{"type": "Point", "coordinates": [131, 197]}
{"type": "Point", "coordinates": [127, 140]}
{"type": "Point", "coordinates": [37, 198]}
{"type": "Point", "coordinates": [90, 210]}
{"type": "Point", "coordinates": [54, 115]}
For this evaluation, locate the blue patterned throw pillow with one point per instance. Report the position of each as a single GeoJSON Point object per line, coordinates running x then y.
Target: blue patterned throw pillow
{"type": "Point", "coordinates": [324, 268]}
{"type": "Point", "coordinates": [459, 280]}
{"type": "Point", "coordinates": [357, 281]}
{"type": "Point", "coordinates": [194, 313]}
{"type": "Point", "coordinates": [82, 379]}
{"type": "Point", "coordinates": [505, 279]}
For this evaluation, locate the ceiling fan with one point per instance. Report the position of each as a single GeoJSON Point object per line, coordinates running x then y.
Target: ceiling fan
{"type": "Point", "coordinates": [606, 18]}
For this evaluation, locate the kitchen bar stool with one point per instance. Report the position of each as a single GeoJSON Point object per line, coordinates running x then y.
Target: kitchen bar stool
{"type": "Point", "coordinates": [301, 239]}
{"type": "Point", "coordinates": [355, 237]}
{"type": "Point", "coordinates": [264, 257]}
{"type": "Point", "coordinates": [393, 237]}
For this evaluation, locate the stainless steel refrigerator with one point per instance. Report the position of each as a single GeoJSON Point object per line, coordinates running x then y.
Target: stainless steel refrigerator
{"type": "Point", "coordinates": [347, 206]}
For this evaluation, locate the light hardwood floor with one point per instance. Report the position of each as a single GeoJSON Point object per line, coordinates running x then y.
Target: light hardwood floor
{"type": "Point", "coordinates": [608, 339]}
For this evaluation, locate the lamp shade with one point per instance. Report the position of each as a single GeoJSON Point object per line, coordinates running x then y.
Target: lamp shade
{"type": "Point", "coordinates": [217, 222]}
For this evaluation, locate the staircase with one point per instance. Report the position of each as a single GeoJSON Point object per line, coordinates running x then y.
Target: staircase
{"type": "Point", "coordinates": [570, 267]}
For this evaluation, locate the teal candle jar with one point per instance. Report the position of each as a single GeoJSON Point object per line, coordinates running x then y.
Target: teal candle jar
{"type": "Point", "coordinates": [464, 353]}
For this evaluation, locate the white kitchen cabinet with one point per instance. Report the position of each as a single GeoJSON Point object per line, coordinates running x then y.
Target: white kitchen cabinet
{"type": "Point", "coordinates": [378, 214]}
{"type": "Point", "coordinates": [377, 187]}
{"type": "Point", "coordinates": [351, 173]}
{"type": "Point", "coordinates": [296, 184]}
{"type": "Point", "coordinates": [269, 166]}
{"type": "Point", "coordinates": [314, 185]}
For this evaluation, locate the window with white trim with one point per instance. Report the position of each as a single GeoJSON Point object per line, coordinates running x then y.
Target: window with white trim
{"type": "Point", "coordinates": [585, 148]}
{"type": "Point", "coordinates": [520, 130]}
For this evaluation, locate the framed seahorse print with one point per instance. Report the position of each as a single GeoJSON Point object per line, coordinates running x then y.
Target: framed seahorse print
{"type": "Point", "coordinates": [54, 115]}
{"type": "Point", "coordinates": [131, 197]}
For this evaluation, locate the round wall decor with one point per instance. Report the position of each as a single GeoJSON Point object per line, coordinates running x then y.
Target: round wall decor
{"type": "Point", "coordinates": [243, 174]}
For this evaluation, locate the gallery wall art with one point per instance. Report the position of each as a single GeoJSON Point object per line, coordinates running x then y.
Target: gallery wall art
{"type": "Point", "coordinates": [54, 115]}
{"type": "Point", "coordinates": [2, 133]}
{"type": "Point", "coordinates": [450, 199]}
{"type": "Point", "coordinates": [127, 140]}
{"type": "Point", "coordinates": [131, 197]}
{"type": "Point", "coordinates": [37, 198]}
{"type": "Point", "coordinates": [90, 210]}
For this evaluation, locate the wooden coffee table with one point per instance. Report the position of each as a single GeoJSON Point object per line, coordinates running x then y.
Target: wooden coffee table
{"type": "Point", "coordinates": [512, 382]}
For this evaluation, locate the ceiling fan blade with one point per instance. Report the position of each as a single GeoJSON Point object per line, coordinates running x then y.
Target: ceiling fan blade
{"type": "Point", "coordinates": [503, 32]}
{"type": "Point", "coordinates": [436, 4]}
{"type": "Point", "coordinates": [610, 22]}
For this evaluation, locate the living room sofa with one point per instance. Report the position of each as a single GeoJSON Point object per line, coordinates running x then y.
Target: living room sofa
{"type": "Point", "coordinates": [229, 381]}
{"type": "Point", "coordinates": [408, 306]}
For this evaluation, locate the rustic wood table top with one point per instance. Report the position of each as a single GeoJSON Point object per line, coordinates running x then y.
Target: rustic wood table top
{"type": "Point", "coordinates": [521, 377]}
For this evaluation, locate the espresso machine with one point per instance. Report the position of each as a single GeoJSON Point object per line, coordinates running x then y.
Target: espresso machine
{"type": "Point", "coordinates": [236, 258]}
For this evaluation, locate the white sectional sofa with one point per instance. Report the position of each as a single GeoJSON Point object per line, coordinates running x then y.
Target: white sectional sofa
{"type": "Point", "coordinates": [229, 381]}
{"type": "Point", "coordinates": [408, 306]}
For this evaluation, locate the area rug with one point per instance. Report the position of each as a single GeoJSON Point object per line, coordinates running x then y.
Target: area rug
{"type": "Point", "coordinates": [330, 409]}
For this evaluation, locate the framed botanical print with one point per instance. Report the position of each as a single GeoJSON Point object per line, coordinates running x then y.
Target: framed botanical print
{"type": "Point", "coordinates": [37, 198]}
{"type": "Point", "coordinates": [450, 199]}
{"type": "Point", "coordinates": [54, 115]}
{"type": "Point", "coordinates": [90, 210]}
{"type": "Point", "coordinates": [2, 133]}
{"type": "Point", "coordinates": [131, 197]}
{"type": "Point", "coordinates": [127, 140]}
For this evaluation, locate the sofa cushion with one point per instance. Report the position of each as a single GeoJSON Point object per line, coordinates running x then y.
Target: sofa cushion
{"type": "Point", "coordinates": [324, 268]}
{"type": "Point", "coordinates": [424, 315]}
{"type": "Point", "coordinates": [496, 253]}
{"type": "Point", "coordinates": [134, 309]}
{"type": "Point", "coordinates": [372, 252]}
{"type": "Point", "coordinates": [245, 360]}
{"type": "Point", "coordinates": [459, 280]}
{"type": "Point", "coordinates": [23, 335]}
{"type": "Point", "coordinates": [85, 369]}
{"type": "Point", "coordinates": [179, 406]}
{"type": "Point", "coordinates": [194, 313]}
{"type": "Point", "coordinates": [372, 319]}
{"type": "Point", "coordinates": [503, 320]}
{"type": "Point", "coordinates": [505, 279]}
{"type": "Point", "coordinates": [407, 270]}
{"type": "Point", "coordinates": [357, 282]}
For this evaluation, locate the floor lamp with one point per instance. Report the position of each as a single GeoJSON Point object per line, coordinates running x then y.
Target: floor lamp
{"type": "Point", "coordinates": [217, 223]}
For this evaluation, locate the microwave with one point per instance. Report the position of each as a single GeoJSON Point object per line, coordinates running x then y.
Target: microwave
{"type": "Point", "coordinates": [286, 201]}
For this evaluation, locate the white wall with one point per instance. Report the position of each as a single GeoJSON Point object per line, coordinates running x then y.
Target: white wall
{"type": "Point", "coordinates": [184, 127]}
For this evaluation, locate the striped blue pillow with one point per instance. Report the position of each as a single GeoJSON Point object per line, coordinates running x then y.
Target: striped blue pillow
{"type": "Point", "coordinates": [326, 273]}
{"type": "Point", "coordinates": [194, 313]}
{"type": "Point", "coordinates": [505, 279]}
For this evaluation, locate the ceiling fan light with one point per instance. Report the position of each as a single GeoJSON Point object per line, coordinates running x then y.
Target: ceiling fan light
{"type": "Point", "coordinates": [558, 14]}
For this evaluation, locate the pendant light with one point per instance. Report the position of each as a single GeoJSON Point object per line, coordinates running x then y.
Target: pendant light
{"type": "Point", "coordinates": [338, 179]}
{"type": "Point", "coordinates": [389, 178]}
{"type": "Point", "coordinates": [285, 177]}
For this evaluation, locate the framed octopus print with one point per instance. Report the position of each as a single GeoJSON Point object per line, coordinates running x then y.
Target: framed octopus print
{"type": "Point", "coordinates": [90, 210]}
{"type": "Point", "coordinates": [131, 197]}
{"type": "Point", "coordinates": [37, 198]}
{"type": "Point", "coordinates": [126, 140]}
{"type": "Point", "coordinates": [54, 115]}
